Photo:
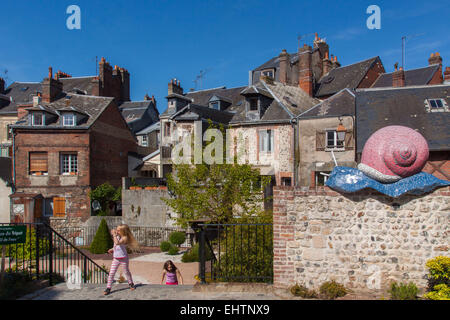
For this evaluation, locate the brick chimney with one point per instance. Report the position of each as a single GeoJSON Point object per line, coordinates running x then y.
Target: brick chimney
{"type": "Point", "coordinates": [174, 87]}
{"type": "Point", "coordinates": [61, 75]}
{"type": "Point", "coordinates": [335, 62]}
{"type": "Point", "coordinates": [2, 85]}
{"type": "Point", "coordinates": [305, 75]}
{"type": "Point", "coordinates": [105, 76]}
{"type": "Point", "coordinates": [435, 58]}
{"type": "Point", "coordinates": [447, 75]}
{"type": "Point", "coordinates": [398, 78]}
{"type": "Point", "coordinates": [51, 88]}
{"type": "Point", "coordinates": [124, 84]}
{"type": "Point", "coordinates": [284, 65]}
{"type": "Point", "coordinates": [327, 65]}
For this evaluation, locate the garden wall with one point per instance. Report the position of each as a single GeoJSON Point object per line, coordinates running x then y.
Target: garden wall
{"type": "Point", "coordinates": [145, 208]}
{"type": "Point", "coordinates": [363, 240]}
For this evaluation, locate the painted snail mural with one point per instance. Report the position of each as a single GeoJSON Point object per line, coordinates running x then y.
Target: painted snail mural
{"type": "Point", "coordinates": [391, 163]}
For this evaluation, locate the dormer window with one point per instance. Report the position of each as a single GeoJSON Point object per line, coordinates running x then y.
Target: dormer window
{"type": "Point", "coordinates": [268, 73]}
{"type": "Point", "coordinates": [68, 119]}
{"type": "Point", "coordinates": [253, 104]}
{"type": "Point", "coordinates": [37, 118]}
{"type": "Point", "coordinates": [215, 105]}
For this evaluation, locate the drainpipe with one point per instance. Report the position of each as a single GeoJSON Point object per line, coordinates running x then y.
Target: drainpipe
{"type": "Point", "coordinates": [293, 122]}
{"type": "Point", "coordinates": [13, 184]}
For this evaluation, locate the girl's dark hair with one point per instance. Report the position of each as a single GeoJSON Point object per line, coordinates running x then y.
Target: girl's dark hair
{"type": "Point", "coordinates": [166, 266]}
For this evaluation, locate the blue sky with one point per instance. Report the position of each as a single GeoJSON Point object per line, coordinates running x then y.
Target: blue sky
{"type": "Point", "coordinates": [160, 40]}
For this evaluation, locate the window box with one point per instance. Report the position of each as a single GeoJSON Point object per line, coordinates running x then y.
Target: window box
{"type": "Point", "coordinates": [38, 173]}
{"type": "Point", "coordinates": [73, 173]}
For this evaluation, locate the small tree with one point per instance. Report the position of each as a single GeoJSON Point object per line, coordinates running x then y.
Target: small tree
{"type": "Point", "coordinates": [215, 191]}
{"type": "Point", "coordinates": [105, 194]}
{"type": "Point", "coordinates": [102, 241]}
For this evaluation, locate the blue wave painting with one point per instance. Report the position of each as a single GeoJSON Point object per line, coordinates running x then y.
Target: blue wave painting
{"type": "Point", "coordinates": [348, 180]}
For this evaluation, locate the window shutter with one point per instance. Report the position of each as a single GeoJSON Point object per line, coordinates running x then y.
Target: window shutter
{"type": "Point", "coordinates": [59, 207]}
{"type": "Point", "coordinates": [349, 142]}
{"type": "Point", "coordinates": [320, 140]}
{"type": "Point", "coordinates": [38, 162]}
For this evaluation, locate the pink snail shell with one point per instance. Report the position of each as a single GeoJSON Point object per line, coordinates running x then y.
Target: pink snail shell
{"type": "Point", "coordinates": [393, 153]}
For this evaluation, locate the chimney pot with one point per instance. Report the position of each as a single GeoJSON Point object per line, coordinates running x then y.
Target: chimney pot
{"type": "Point", "coordinates": [50, 72]}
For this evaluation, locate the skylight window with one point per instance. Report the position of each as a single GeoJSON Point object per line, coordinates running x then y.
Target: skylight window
{"type": "Point", "coordinates": [436, 105]}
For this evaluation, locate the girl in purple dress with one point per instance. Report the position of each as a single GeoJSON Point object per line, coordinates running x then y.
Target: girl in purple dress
{"type": "Point", "coordinates": [171, 273]}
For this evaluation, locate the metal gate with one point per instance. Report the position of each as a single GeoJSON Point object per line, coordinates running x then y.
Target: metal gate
{"type": "Point", "coordinates": [45, 253]}
{"type": "Point", "coordinates": [235, 252]}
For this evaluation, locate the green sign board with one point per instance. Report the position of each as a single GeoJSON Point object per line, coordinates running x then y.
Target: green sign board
{"type": "Point", "coordinates": [13, 234]}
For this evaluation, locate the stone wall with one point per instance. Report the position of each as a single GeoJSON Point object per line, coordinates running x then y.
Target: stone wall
{"type": "Point", "coordinates": [145, 208]}
{"type": "Point", "coordinates": [363, 240]}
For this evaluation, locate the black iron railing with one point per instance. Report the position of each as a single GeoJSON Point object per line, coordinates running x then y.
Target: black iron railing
{"type": "Point", "coordinates": [146, 236]}
{"type": "Point", "coordinates": [46, 253]}
{"type": "Point", "coordinates": [235, 252]}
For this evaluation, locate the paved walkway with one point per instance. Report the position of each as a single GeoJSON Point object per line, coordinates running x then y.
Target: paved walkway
{"type": "Point", "coordinates": [146, 292]}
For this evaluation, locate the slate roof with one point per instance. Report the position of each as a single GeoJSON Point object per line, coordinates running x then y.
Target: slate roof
{"type": "Point", "coordinates": [377, 108]}
{"type": "Point", "coordinates": [202, 97]}
{"type": "Point", "coordinates": [22, 92]}
{"type": "Point", "coordinates": [413, 77]}
{"type": "Point", "coordinates": [344, 77]}
{"type": "Point", "coordinates": [341, 103]}
{"type": "Point", "coordinates": [90, 105]}
{"type": "Point", "coordinates": [6, 169]}
{"type": "Point", "coordinates": [193, 112]}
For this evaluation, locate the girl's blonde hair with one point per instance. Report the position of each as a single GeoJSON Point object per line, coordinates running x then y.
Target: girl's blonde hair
{"type": "Point", "coordinates": [131, 240]}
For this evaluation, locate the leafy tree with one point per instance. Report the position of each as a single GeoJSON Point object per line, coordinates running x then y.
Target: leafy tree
{"type": "Point", "coordinates": [102, 241]}
{"type": "Point", "coordinates": [215, 191]}
{"type": "Point", "coordinates": [105, 194]}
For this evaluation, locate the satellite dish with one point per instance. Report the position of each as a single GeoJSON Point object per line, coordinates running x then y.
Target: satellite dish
{"type": "Point", "coordinates": [96, 205]}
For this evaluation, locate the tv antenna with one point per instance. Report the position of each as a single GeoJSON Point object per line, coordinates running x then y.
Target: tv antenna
{"type": "Point", "coordinates": [5, 77]}
{"type": "Point", "coordinates": [302, 36]}
{"type": "Point", "coordinates": [404, 38]}
{"type": "Point", "coordinates": [199, 78]}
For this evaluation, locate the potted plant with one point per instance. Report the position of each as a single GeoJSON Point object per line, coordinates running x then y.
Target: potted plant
{"type": "Point", "coordinates": [38, 173]}
{"type": "Point", "coordinates": [73, 173]}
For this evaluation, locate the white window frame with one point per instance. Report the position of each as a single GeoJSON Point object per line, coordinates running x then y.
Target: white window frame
{"type": "Point", "coordinates": [71, 165]}
{"type": "Point", "coordinates": [429, 108]}
{"type": "Point", "coordinates": [67, 116]}
{"type": "Point", "coordinates": [335, 146]}
{"type": "Point", "coordinates": [266, 140]}
{"type": "Point", "coordinates": [33, 118]}
{"type": "Point", "coordinates": [215, 103]}
{"type": "Point", "coordinates": [325, 177]}
{"type": "Point", "coordinates": [264, 73]}
{"type": "Point", "coordinates": [144, 140]}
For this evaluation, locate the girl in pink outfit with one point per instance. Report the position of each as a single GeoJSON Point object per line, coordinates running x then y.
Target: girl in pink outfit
{"type": "Point", "coordinates": [122, 237]}
{"type": "Point", "coordinates": [171, 273]}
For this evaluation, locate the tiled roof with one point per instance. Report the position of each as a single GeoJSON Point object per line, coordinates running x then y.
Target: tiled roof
{"type": "Point", "coordinates": [406, 106]}
{"type": "Point", "coordinates": [344, 77]}
{"type": "Point", "coordinates": [413, 77]}
{"type": "Point", "coordinates": [23, 92]}
{"type": "Point", "coordinates": [341, 103]}
{"type": "Point", "coordinates": [89, 105]}
{"type": "Point", "coordinates": [194, 112]}
{"type": "Point", "coordinates": [139, 114]}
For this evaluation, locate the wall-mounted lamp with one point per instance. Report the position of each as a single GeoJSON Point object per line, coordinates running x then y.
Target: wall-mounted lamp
{"type": "Point", "coordinates": [340, 131]}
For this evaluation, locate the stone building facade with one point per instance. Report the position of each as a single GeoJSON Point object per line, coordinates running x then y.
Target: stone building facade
{"type": "Point", "coordinates": [363, 240]}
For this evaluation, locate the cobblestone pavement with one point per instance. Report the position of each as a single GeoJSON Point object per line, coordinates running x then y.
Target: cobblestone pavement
{"type": "Point", "coordinates": [143, 292]}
